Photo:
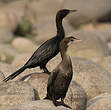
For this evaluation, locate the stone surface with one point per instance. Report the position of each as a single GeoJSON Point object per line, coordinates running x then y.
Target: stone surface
{"type": "Point", "coordinates": [6, 69]}
{"type": "Point", "coordinates": [109, 45]}
{"type": "Point", "coordinates": [102, 29]}
{"type": "Point", "coordinates": [24, 45]}
{"type": "Point", "coordinates": [88, 11]}
{"type": "Point", "coordinates": [7, 53]}
{"type": "Point", "coordinates": [101, 102]}
{"type": "Point", "coordinates": [106, 63]}
{"type": "Point", "coordinates": [90, 46]}
{"type": "Point", "coordinates": [76, 97]}
{"type": "Point", "coordinates": [1, 77]}
{"type": "Point", "coordinates": [39, 82]}
{"type": "Point", "coordinates": [32, 9]}
{"type": "Point", "coordinates": [92, 77]}
{"type": "Point", "coordinates": [14, 93]}
{"type": "Point", "coordinates": [38, 105]}
{"type": "Point", "coordinates": [5, 36]}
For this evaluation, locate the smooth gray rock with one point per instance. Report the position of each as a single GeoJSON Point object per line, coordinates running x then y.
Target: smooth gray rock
{"type": "Point", "coordinates": [14, 93]}
{"type": "Point", "coordinates": [92, 77]}
{"type": "Point", "coordinates": [88, 10]}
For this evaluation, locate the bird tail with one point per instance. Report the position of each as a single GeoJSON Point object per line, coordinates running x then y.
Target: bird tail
{"type": "Point", "coordinates": [12, 76]}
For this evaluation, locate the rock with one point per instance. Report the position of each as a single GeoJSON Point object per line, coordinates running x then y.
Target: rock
{"type": "Point", "coordinates": [24, 45]}
{"type": "Point", "coordinates": [5, 36]}
{"type": "Point", "coordinates": [106, 63]}
{"type": "Point", "coordinates": [10, 18]}
{"type": "Point", "coordinates": [109, 45]}
{"type": "Point", "coordinates": [102, 29]}
{"type": "Point", "coordinates": [40, 7]}
{"type": "Point", "coordinates": [104, 34]}
{"type": "Point", "coordinates": [90, 46]}
{"type": "Point", "coordinates": [1, 77]}
{"type": "Point", "coordinates": [38, 105]}
{"type": "Point", "coordinates": [76, 97]}
{"type": "Point", "coordinates": [91, 12]}
{"type": "Point", "coordinates": [34, 10]}
{"type": "Point", "coordinates": [101, 102]}
{"type": "Point", "coordinates": [39, 82]}
{"type": "Point", "coordinates": [92, 77]}
{"type": "Point", "coordinates": [6, 69]}
{"type": "Point", "coordinates": [7, 53]}
{"type": "Point", "coordinates": [21, 59]}
{"type": "Point", "coordinates": [14, 93]}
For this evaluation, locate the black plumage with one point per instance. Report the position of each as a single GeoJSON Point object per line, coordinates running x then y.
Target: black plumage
{"type": "Point", "coordinates": [61, 76]}
{"type": "Point", "coordinates": [47, 50]}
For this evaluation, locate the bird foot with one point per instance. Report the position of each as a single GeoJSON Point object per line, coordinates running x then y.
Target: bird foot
{"type": "Point", "coordinates": [46, 71]}
{"type": "Point", "coordinates": [56, 103]}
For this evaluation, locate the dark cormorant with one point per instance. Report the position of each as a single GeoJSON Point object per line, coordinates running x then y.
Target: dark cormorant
{"type": "Point", "coordinates": [47, 50]}
{"type": "Point", "coordinates": [61, 76]}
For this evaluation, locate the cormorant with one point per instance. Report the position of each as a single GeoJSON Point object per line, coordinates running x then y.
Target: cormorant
{"type": "Point", "coordinates": [47, 50]}
{"type": "Point", "coordinates": [61, 76]}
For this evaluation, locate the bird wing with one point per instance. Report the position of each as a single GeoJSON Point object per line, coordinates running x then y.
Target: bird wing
{"type": "Point", "coordinates": [52, 77]}
{"type": "Point", "coordinates": [45, 51]}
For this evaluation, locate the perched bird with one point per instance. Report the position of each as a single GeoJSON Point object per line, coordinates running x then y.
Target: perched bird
{"type": "Point", "coordinates": [61, 76]}
{"type": "Point", "coordinates": [47, 50]}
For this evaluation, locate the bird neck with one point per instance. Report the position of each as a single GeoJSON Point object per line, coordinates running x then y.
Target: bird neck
{"type": "Point", "coordinates": [60, 29]}
{"type": "Point", "coordinates": [66, 61]}
{"type": "Point", "coordinates": [63, 53]}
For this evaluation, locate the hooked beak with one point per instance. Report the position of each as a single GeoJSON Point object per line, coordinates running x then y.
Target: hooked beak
{"type": "Point", "coordinates": [77, 40]}
{"type": "Point", "coordinates": [73, 11]}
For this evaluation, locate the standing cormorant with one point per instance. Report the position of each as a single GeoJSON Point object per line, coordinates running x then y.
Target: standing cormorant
{"type": "Point", "coordinates": [47, 50]}
{"type": "Point", "coordinates": [61, 76]}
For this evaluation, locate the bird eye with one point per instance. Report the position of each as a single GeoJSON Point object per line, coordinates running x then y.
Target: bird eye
{"type": "Point", "coordinates": [72, 39]}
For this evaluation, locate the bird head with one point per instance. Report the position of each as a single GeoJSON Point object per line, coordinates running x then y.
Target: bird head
{"type": "Point", "coordinates": [67, 41]}
{"type": "Point", "coordinates": [64, 12]}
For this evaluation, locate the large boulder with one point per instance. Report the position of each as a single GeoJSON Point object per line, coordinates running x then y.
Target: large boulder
{"type": "Point", "coordinates": [39, 82]}
{"type": "Point", "coordinates": [90, 46]}
{"type": "Point", "coordinates": [6, 69]}
{"type": "Point", "coordinates": [102, 29]}
{"type": "Point", "coordinates": [14, 93]}
{"type": "Point", "coordinates": [106, 63]}
{"type": "Point", "coordinates": [24, 45]}
{"type": "Point", "coordinates": [101, 102]}
{"type": "Point", "coordinates": [76, 97]}
{"type": "Point", "coordinates": [5, 36]}
{"type": "Point", "coordinates": [37, 105]}
{"type": "Point", "coordinates": [89, 10]}
{"type": "Point", "coordinates": [1, 77]}
{"type": "Point", "coordinates": [7, 53]}
{"type": "Point", "coordinates": [92, 77]}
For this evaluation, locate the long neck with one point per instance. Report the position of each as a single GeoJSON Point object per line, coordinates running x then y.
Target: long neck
{"type": "Point", "coordinates": [66, 60]}
{"type": "Point", "coordinates": [60, 29]}
{"type": "Point", "coordinates": [63, 53]}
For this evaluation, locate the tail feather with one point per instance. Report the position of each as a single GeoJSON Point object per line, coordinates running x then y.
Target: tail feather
{"type": "Point", "coordinates": [12, 76]}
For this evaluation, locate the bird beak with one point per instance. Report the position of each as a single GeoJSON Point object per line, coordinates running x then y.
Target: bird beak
{"type": "Point", "coordinates": [73, 10]}
{"type": "Point", "coordinates": [77, 40]}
